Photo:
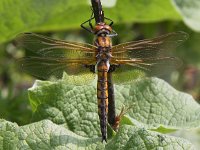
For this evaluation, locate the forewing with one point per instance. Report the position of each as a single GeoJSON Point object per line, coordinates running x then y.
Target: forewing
{"type": "Point", "coordinates": [47, 68]}
{"type": "Point", "coordinates": [149, 57]}
{"type": "Point", "coordinates": [54, 57]}
{"type": "Point", "coordinates": [149, 48]}
{"type": "Point", "coordinates": [47, 47]}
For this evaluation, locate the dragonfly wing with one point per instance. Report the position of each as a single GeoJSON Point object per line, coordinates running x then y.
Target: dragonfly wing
{"type": "Point", "coordinates": [125, 73]}
{"type": "Point", "coordinates": [128, 70]}
{"type": "Point", "coordinates": [47, 47]}
{"type": "Point", "coordinates": [47, 68]}
{"type": "Point", "coordinates": [149, 48]}
{"type": "Point", "coordinates": [53, 57]}
{"type": "Point", "coordinates": [147, 56]}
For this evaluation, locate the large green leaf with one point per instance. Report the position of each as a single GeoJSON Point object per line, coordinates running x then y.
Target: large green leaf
{"type": "Point", "coordinates": [74, 107]}
{"type": "Point", "coordinates": [189, 10]}
{"type": "Point", "coordinates": [45, 135]}
{"type": "Point", "coordinates": [192, 135]}
{"type": "Point", "coordinates": [130, 137]}
{"type": "Point", "coordinates": [42, 15]}
{"type": "Point", "coordinates": [155, 106]}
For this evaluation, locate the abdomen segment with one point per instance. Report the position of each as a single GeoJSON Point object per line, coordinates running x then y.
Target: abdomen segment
{"type": "Point", "coordinates": [102, 96]}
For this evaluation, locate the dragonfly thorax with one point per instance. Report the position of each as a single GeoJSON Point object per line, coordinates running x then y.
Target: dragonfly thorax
{"type": "Point", "coordinates": [103, 44]}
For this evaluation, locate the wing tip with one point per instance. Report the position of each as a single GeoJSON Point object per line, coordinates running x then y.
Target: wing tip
{"type": "Point", "coordinates": [183, 34]}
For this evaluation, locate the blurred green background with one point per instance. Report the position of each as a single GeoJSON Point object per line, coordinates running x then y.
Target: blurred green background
{"type": "Point", "coordinates": [133, 20]}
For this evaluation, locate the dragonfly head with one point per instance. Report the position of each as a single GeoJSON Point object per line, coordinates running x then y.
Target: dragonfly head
{"type": "Point", "coordinates": [102, 29]}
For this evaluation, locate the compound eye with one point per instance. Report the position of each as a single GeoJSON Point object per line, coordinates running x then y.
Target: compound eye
{"type": "Point", "coordinates": [108, 28]}
{"type": "Point", "coordinates": [98, 28]}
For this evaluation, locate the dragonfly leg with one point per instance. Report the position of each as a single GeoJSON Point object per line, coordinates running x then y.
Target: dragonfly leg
{"type": "Point", "coordinates": [118, 117]}
{"type": "Point", "coordinates": [88, 21]}
{"type": "Point", "coordinates": [113, 31]}
{"type": "Point", "coordinates": [91, 68]}
{"type": "Point", "coordinates": [111, 21]}
{"type": "Point", "coordinates": [91, 18]}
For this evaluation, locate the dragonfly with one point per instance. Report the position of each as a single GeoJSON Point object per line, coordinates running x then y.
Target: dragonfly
{"type": "Point", "coordinates": [52, 57]}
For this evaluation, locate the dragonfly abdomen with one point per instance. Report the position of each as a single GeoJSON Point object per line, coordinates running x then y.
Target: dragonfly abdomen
{"type": "Point", "coordinates": [102, 96]}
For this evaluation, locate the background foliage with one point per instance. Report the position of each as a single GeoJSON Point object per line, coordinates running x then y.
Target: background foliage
{"type": "Point", "coordinates": [61, 19]}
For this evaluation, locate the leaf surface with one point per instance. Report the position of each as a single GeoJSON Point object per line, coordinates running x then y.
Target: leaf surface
{"type": "Point", "coordinates": [189, 10]}
{"type": "Point", "coordinates": [41, 15]}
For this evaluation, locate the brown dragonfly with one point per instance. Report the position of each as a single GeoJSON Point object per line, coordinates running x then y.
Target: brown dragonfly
{"type": "Point", "coordinates": [53, 57]}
